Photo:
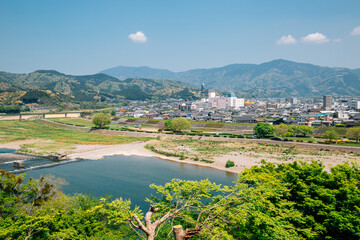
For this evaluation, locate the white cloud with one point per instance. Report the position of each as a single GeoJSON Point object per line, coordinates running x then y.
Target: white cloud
{"type": "Point", "coordinates": [337, 40]}
{"type": "Point", "coordinates": [285, 40]}
{"type": "Point", "coordinates": [315, 38]}
{"type": "Point", "coordinates": [138, 37]}
{"type": "Point", "coordinates": [356, 31]}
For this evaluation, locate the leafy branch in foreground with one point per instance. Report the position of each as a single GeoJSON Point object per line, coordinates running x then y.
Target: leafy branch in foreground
{"type": "Point", "coordinates": [188, 202]}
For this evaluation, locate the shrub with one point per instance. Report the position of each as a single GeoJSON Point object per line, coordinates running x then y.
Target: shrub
{"type": "Point", "coordinates": [229, 164]}
{"type": "Point", "coordinates": [207, 161]}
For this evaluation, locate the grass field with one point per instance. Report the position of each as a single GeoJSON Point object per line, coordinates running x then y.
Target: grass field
{"type": "Point", "coordinates": [50, 139]}
{"type": "Point", "coordinates": [81, 122]}
{"type": "Point", "coordinates": [14, 130]}
{"type": "Point", "coordinates": [74, 121]}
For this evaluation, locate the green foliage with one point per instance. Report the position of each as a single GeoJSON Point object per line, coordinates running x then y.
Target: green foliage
{"type": "Point", "coordinates": [300, 201]}
{"type": "Point", "coordinates": [179, 124]}
{"type": "Point", "coordinates": [168, 123]}
{"type": "Point", "coordinates": [331, 135]}
{"type": "Point", "coordinates": [101, 120]}
{"type": "Point", "coordinates": [304, 130]}
{"type": "Point", "coordinates": [353, 133]}
{"type": "Point", "coordinates": [15, 196]}
{"type": "Point", "coordinates": [10, 109]}
{"type": "Point", "coordinates": [262, 130]}
{"type": "Point", "coordinates": [292, 130]}
{"type": "Point", "coordinates": [281, 129]}
{"type": "Point", "coordinates": [229, 164]}
{"type": "Point", "coordinates": [286, 201]}
{"type": "Point", "coordinates": [35, 96]}
{"type": "Point", "coordinates": [36, 210]}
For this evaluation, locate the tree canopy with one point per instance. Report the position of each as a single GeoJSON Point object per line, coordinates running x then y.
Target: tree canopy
{"type": "Point", "coordinates": [353, 133]}
{"type": "Point", "coordinates": [101, 120]}
{"type": "Point", "coordinates": [262, 130]}
{"type": "Point", "coordinates": [331, 135]}
{"type": "Point", "coordinates": [178, 124]}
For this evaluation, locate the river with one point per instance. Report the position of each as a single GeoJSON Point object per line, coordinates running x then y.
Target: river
{"type": "Point", "coordinates": [128, 177]}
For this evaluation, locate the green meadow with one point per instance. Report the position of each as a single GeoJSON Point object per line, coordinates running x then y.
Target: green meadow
{"type": "Point", "coordinates": [14, 131]}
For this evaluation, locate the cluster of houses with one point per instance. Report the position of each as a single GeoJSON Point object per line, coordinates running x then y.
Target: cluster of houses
{"type": "Point", "coordinates": [311, 112]}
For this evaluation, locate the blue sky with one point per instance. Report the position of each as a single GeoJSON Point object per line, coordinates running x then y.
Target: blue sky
{"type": "Point", "coordinates": [85, 37]}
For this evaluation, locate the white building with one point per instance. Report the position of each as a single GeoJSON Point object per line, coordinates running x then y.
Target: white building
{"type": "Point", "coordinates": [224, 102]}
{"type": "Point", "coordinates": [354, 104]}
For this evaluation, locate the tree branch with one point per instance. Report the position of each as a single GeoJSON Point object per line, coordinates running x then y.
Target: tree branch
{"type": "Point", "coordinates": [141, 226]}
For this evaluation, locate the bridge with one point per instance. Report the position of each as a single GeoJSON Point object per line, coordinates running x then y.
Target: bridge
{"type": "Point", "coordinates": [26, 116]}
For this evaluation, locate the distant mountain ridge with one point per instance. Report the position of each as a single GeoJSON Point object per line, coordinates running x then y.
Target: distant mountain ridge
{"type": "Point", "coordinates": [277, 78]}
{"type": "Point", "coordinates": [88, 87]}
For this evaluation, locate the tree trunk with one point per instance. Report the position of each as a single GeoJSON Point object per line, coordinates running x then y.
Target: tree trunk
{"type": "Point", "coordinates": [150, 236]}
{"type": "Point", "coordinates": [179, 233]}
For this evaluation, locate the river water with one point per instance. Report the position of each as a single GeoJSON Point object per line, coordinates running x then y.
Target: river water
{"type": "Point", "coordinates": [128, 177]}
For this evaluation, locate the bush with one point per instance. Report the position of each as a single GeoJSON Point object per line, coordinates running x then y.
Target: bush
{"type": "Point", "coordinates": [229, 164]}
{"type": "Point", "coordinates": [207, 161]}
{"type": "Point", "coordinates": [276, 138]}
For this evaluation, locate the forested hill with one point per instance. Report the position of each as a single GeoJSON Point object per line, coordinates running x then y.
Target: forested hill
{"type": "Point", "coordinates": [88, 87]}
{"type": "Point", "coordinates": [278, 78]}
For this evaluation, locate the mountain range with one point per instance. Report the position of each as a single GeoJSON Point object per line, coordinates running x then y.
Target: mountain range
{"type": "Point", "coordinates": [277, 78]}
{"type": "Point", "coordinates": [49, 86]}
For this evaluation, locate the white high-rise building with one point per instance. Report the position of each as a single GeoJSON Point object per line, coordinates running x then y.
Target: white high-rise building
{"type": "Point", "coordinates": [223, 102]}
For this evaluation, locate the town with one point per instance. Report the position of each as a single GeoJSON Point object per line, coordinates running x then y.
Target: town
{"type": "Point", "coordinates": [326, 111]}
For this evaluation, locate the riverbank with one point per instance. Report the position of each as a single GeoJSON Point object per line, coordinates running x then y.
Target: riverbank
{"type": "Point", "coordinates": [244, 157]}
{"type": "Point", "coordinates": [97, 152]}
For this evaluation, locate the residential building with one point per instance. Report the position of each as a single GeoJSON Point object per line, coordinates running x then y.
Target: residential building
{"type": "Point", "coordinates": [354, 104]}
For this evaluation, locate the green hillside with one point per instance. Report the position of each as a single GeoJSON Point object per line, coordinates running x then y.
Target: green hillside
{"type": "Point", "coordinates": [51, 86]}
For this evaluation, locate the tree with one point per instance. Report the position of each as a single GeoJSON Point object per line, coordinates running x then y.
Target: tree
{"type": "Point", "coordinates": [262, 130]}
{"type": "Point", "coordinates": [189, 202]}
{"type": "Point", "coordinates": [113, 113]}
{"type": "Point", "coordinates": [100, 120]}
{"type": "Point", "coordinates": [168, 124]}
{"type": "Point", "coordinates": [281, 129]}
{"type": "Point", "coordinates": [295, 201]}
{"type": "Point", "coordinates": [331, 134]}
{"type": "Point", "coordinates": [179, 124]}
{"type": "Point", "coordinates": [354, 133]}
{"type": "Point", "coordinates": [304, 130]}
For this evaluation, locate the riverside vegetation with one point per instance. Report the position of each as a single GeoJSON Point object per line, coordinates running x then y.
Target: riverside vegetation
{"type": "Point", "coordinates": [286, 201]}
